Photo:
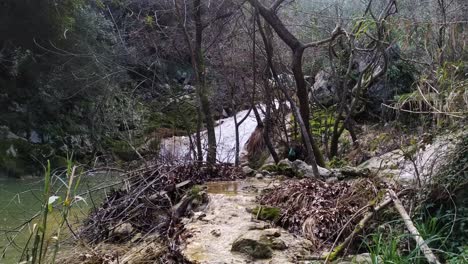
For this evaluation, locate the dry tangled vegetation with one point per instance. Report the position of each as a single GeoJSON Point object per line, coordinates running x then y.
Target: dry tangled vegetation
{"type": "Point", "coordinates": [323, 212]}
{"type": "Point", "coordinates": [147, 211]}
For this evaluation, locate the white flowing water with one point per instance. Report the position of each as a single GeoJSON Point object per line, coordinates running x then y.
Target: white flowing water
{"type": "Point", "coordinates": [178, 147]}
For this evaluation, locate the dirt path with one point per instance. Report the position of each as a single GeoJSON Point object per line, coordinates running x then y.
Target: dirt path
{"type": "Point", "coordinates": [226, 220]}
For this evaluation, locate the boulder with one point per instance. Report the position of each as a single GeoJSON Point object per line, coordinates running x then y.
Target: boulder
{"type": "Point", "coordinates": [269, 167]}
{"type": "Point", "coordinates": [248, 171]}
{"type": "Point", "coordinates": [252, 247]}
{"type": "Point", "coordinates": [259, 244]}
{"type": "Point", "coordinates": [5, 133]}
{"type": "Point", "coordinates": [122, 231]}
{"type": "Point", "coordinates": [305, 170]}
{"type": "Point", "coordinates": [324, 89]}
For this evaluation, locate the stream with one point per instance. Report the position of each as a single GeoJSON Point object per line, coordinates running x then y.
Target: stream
{"type": "Point", "coordinates": [226, 220]}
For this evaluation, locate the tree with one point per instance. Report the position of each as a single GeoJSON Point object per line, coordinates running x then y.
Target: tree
{"type": "Point", "coordinates": [297, 49]}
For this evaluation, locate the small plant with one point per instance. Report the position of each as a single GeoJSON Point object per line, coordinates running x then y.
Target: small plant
{"type": "Point", "coordinates": [43, 234]}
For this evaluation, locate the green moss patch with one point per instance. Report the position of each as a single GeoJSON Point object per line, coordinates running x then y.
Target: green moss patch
{"type": "Point", "coordinates": [267, 213]}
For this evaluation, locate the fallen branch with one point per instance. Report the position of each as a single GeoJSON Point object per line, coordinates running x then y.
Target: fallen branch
{"type": "Point", "coordinates": [431, 258]}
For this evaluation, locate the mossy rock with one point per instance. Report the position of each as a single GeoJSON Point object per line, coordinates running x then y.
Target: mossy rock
{"type": "Point", "coordinates": [273, 242]}
{"type": "Point", "coordinates": [267, 213]}
{"type": "Point", "coordinates": [255, 249]}
{"type": "Point", "coordinates": [282, 168]}
{"type": "Point", "coordinates": [270, 167]}
{"type": "Point", "coordinates": [286, 169]}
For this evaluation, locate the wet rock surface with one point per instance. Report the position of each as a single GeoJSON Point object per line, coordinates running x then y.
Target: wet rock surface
{"type": "Point", "coordinates": [230, 233]}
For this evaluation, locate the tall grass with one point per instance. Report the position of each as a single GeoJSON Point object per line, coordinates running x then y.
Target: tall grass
{"type": "Point", "coordinates": [393, 244]}
{"type": "Point", "coordinates": [44, 235]}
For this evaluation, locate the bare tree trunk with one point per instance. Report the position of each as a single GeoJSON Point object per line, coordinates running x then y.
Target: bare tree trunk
{"type": "Point", "coordinates": [201, 87]}
{"type": "Point", "coordinates": [297, 48]}
{"type": "Point", "coordinates": [266, 137]}
{"type": "Point", "coordinates": [267, 126]}
{"type": "Point", "coordinates": [296, 111]}
{"type": "Point", "coordinates": [236, 126]}
{"type": "Point", "coordinates": [303, 96]}
{"type": "Point", "coordinates": [198, 135]}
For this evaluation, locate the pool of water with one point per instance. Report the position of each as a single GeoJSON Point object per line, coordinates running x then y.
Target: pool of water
{"type": "Point", "coordinates": [20, 201]}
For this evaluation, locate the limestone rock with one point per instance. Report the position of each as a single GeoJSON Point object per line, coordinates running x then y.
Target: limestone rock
{"type": "Point", "coordinates": [278, 244]}
{"type": "Point", "coordinates": [254, 248]}
{"type": "Point", "coordinates": [247, 170]}
{"type": "Point", "coordinates": [272, 232]}
{"type": "Point", "coordinates": [122, 231]}
{"type": "Point", "coordinates": [259, 226]}
{"type": "Point", "coordinates": [324, 89]}
{"type": "Point", "coordinates": [271, 238]}
{"type": "Point", "coordinates": [305, 170]}
{"type": "Point", "coordinates": [5, 133]}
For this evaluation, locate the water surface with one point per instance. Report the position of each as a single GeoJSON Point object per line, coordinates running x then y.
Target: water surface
{"type": "Point", "coordinates": [20, 201]}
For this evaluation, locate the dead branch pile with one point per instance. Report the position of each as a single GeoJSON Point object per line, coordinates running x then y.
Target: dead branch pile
{"type": "Point", "coordinates": [322, 211]}
{"type": "Point", "coordinates": [145, 203]}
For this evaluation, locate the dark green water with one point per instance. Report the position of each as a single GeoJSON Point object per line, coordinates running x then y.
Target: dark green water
{"type": "Point", "coordinates": [20, 200]}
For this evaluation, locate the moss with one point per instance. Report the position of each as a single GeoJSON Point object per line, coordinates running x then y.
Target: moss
{"type": "Point", "coordinates": [337, 163]}
{"type": "Point", "coordinates": [195, 191]}
{"type": "Point", "coordinates": [270, 168]}
{"type": "Point", "coordinates": [178, 115]}
{"type": "Point", "coordinates": [280, 169]}
{"type": "Point", "coordinates": [286, 169]}
{"type": "Point", "coordinates": [255, 249]}
{"type": "Point", "coordinates": [267, 213]}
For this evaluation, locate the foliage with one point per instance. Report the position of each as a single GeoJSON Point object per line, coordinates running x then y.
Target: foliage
{"type": "Point", "coordinates": [71, 89]}
{"type": "Point", "coordinates": [447, 200]}
{"type": "Point", "coordinates": [24, 22]}
{"type": "Point", "coordinates": [438, 98]}
{"type": "Point", "coordinates": [390, 243]}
